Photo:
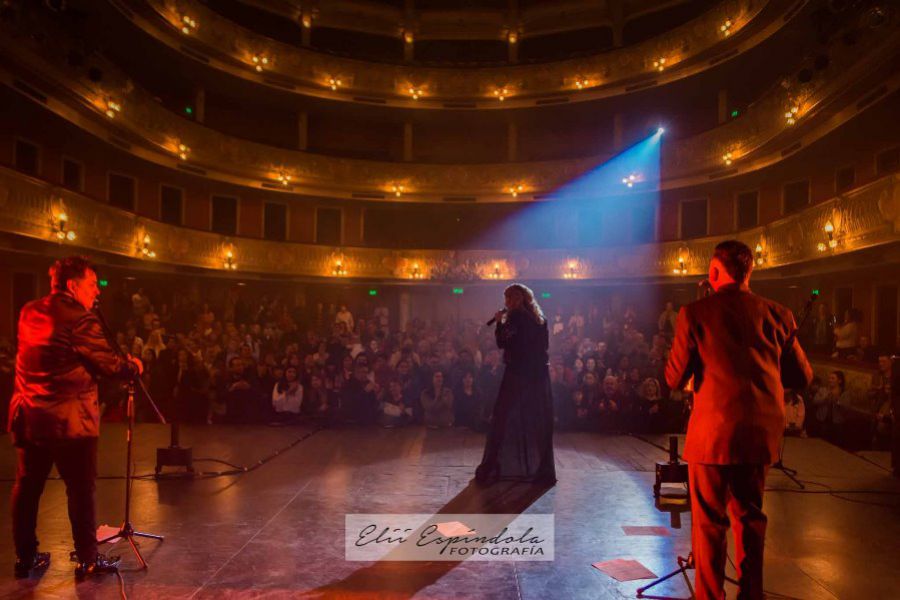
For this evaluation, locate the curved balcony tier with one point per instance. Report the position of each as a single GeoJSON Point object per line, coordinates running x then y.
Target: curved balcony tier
{"type": "Point", "coordinates": [868, 216]}
{"type": "Point", "coordinates": [126, 116]}
{"type": "Point", "coordinates": [221, 44]}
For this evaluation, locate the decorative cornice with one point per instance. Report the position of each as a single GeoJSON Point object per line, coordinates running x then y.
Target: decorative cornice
{"type": "Point", "coordinates": [687, 50]}
{"type": "Point", "coordinates": [866, 217]}
{"type": "Point", "coordinates": [854, 80]}
{"type": "Point", "coordinates": [378, 18]}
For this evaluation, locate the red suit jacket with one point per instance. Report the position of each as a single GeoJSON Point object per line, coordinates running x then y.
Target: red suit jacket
{"type": "Point", "coordinates": [61, 351]}
{"type": "Point", "coordinates": [733, 344]}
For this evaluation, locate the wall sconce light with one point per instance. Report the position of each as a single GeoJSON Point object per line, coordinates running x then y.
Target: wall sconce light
{"type": "Point", "coordinates": [829, 231]}
{"type": "Point", "coordinates": [183, 151]}
{"type": "Point", "coordinates": [229, 264]}
{"type": "Point", "coordinates": [660, 64]}
{"type": "Point", "coordinates": [334, 83]}
{"type": "Point", "coordinates": [338, 270]}
{"type": "Point", "coordinates": [495, 274]}
{"type": "Point", "coordinates": [725, 28]}
{"type": "Point", "coordinates": [582, 83]}
{"type": "Point", "coordinates": [112, 108]}
{"type": "Point", "coordinates": [791, 115]}
{"type": "Point", "coordinates": [188, 25]}
{"type": "Point", "coordinates": [306, 20]}
{"type": "Point", "coordinates": [415, 92]}
{"type": "Point", "coordinates": [570, 273]}
{"type": "Point", "coordinates": [398, 189]}
{"type": "Point", "coordinates": [759, 255]}
{"type": "Point", "coordinates": [630, 180]}
{"type": "Point", "coordinates": [284, 179]}
{"type": "Point", "coordinates": [727, 159]}
{"type": "Point", "coordinates": [514, 190]}
{"type": "Point", "coordinates": [416, 273]}
{"type": "Point", "coordinates": [512, 36]}
{"type": "Point", "coordinates": [260, 62]}
{"type": "Point", "coordinates": [681, 269]}
{"type": "Point", "coordinates": [145, 247]}
{"type": "Point", "coordinates": [501, 93]}
{"type": "Point", "coordinates": [408, 36]}
{"type": "Point", "coordinates": [61, 228]}
{"type": "Point", "coordinates": [821, 247]}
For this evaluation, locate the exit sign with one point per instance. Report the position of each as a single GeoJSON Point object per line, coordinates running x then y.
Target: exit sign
{"type": "Point", "coordinates": [373, 292]}
{"type": "Point", "coordinates": [457, 291]}
{"type": "Point", "coordinates": [545, 294]}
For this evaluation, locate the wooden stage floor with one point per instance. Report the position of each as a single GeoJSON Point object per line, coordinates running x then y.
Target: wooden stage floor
{"type": "Point", "coordinates": [278, 531]}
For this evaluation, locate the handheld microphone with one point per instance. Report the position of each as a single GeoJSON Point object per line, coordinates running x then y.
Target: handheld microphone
{"type": "Point", "coordinates": [494, 319]}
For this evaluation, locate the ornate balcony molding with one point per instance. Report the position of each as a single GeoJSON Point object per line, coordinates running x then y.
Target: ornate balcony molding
{"type": "Point", "coordinates": [854, 80]}
{"type": "Point", "coordinates": [480, 24]}
{"type": "Point", "coordinates": [687, 50]}
{"type": "Point", "coordinates": [869, 216]}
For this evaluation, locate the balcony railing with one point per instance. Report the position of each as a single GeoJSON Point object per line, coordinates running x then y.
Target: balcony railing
{"type": "Point", "coordinates": [866, 217]}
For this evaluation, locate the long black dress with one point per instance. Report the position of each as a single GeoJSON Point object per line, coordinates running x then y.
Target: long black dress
{"type": "Point", "coordinates": [520, 440]}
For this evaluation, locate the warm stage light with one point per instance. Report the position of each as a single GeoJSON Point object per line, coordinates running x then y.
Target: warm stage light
{"type": "Point", "coordinates": [338, 270]}
{"type": "Point", "coordinates": [260, 62]}
{"type": "Point", "coordinates": [188, 25]}
{"type": "Point", "coordinates": [61, 228]}
{"type": "Point", "coordinates": [512, 37]}
{"type": "Point", "coordinates": [145, 247]}
{"type": "Point", "coordinates": [759, 254]}
{"type": "Point", "coordinates": [306, 20]}
{"type": "Point", "coordinates": [408, 36]}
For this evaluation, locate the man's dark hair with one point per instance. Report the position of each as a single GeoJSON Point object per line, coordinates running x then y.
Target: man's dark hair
{"type": "Point", "coordinates": [70, 267]}
{"type": "Point", "coordinates": [736, 257]}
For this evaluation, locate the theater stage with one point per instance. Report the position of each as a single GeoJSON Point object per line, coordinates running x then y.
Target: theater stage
{"type": "Point", "coordinates": [277, 531]}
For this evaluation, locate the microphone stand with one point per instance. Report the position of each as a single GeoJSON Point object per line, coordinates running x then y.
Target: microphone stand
{"type": "Point", "coordinates": [779, 464]}
{"type": "Point", "coordinates": [126, 531]}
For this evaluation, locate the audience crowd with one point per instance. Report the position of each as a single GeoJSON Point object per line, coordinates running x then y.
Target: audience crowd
{"type": "Point", "coordinates": [276, 362]}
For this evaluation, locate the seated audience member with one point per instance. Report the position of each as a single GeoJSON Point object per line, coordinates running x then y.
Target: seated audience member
{"type": "Point", "coordinates": [359, 397]}
{"type": "Point", "coordinates": [287, 396]}
{"type": "Point", "coordinates": [467, 402]}
{"type": "Point", "coordinates": [236, 394]}
{"type": "Point", "coordinates": [437, 402]}
{"type": "Point", "coordinates": [394, 410]}
{"type": "Point", "coordinates": [827, 404]}
{"type": "Point", "coordinates": [609, 404]}
{"type": "Point", "coordinates": [866, 352]}
{"type": "Point", "coordinates": [191, 390]}
{"type": "Point", "coordinates": [649, 407]}
{"type": "Point", "coordinates": [316, 399]}
{"type": "Point", "coordinates": [881, 402]}
{"type": "Point", "coordinates": [583, 416]}
{"type": "Point", "coordinates": [794, 414]}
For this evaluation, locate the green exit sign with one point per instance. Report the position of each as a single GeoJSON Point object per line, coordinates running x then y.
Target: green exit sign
{"type": "Point", "coordinates": [373, 292]}
{"type": "Point", "coordinates": [457, 291]}
{"type": "Point", "coordinates": [815, 292]}
{"type": "Point", "coordinates": [545, 294]}
{"type": "Point", "coordinates": [103, 283]}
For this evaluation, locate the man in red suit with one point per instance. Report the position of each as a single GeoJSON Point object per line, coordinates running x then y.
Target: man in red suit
{"type": "Point", "coordinates": [54, 415]}
{"type": "Point", "coordinates": [739, 350]}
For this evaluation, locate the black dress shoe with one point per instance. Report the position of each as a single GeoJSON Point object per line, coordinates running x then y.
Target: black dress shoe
{"type": "Point", "coordinates": [23, 568]}
{"type": "Point", "coordinates": [99, 566]}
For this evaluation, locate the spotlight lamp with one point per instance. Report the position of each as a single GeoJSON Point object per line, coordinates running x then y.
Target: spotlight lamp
{"type": "Point", "coordinates": [145, 247]}
{"type": "Point", "coordinates": [630, 180]}
{"type": "Point", "coordinates": [659, 64]}
{"type": "Point", "coordinates": [514, 190]}
{"type": "Point", "coordinates": [188, 25]}
{"type": "Point", "coordinates": [397, 189]}
{"type": "Point", "coordinates": [725, 28]}
{"type": "Point", "coordinates": [792, 114]}
{"type": "Point", "coordinates": [260, 62]}
{"type": "Point", "coordinates": [334, 83]}
{"type": "Point", "coordinates": [727, 159]}
{"type": "Point", "coordinates": [61, 228]}
{"type": "Point", "coordinates": [183, 151]}
{"type": "Point", "coordinates": [113, 108]}
{"type": "Point", "coordinates": [229, 264]}
{"type": "Point", "coordinates": [681, 269]}
{"type": "Point", "coordinates": [339, 270]}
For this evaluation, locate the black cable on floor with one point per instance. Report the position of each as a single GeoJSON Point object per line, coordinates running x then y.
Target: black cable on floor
{"type": "Point", "coordinates": [236, 469]}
